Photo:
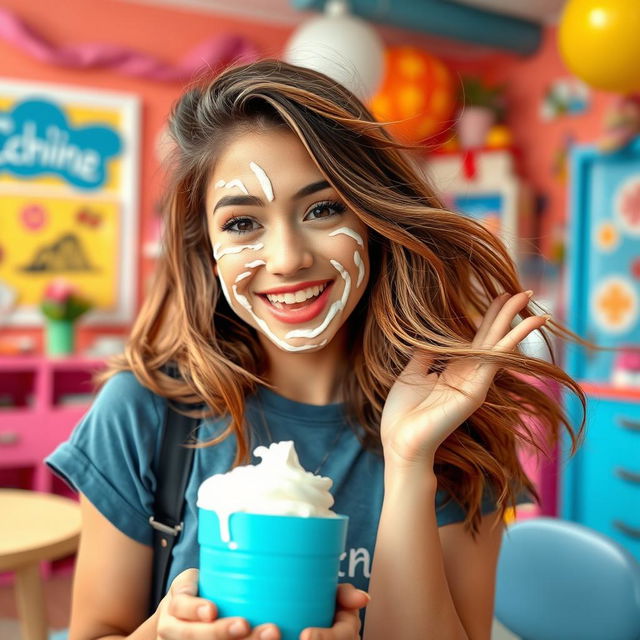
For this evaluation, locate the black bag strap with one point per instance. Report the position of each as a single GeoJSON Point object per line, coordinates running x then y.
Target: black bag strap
{"type": "Point", "coordinates": [172, 470]}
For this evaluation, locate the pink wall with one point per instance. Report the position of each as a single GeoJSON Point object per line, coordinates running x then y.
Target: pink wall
{"type": "Point", "coordinates": [539, 141]}
{"type": "Point", "coordinates": [168, 34]}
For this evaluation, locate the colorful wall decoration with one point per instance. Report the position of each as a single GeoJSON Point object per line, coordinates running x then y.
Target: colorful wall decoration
{"type": "Point", "coordinates": [68, 197]}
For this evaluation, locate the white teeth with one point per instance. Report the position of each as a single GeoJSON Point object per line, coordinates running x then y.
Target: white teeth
{"type": "Point", "coordinates": [298, 296]}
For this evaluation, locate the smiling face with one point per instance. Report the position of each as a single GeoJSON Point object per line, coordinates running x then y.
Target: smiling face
{"type": "Point", "coordinates": [291, 259]}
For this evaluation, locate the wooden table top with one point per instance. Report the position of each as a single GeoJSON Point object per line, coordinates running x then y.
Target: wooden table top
{"type": "Point", "coordinates": [36, 527]}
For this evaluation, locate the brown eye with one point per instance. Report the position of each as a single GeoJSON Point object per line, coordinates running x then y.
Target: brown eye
{"type": "Point", "coordinates": [240, 225]}
{"type": "Point", "coordinates": [323, 210]}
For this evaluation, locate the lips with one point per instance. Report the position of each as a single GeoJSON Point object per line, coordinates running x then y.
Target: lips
{"type": "Point", "coordinates": [300, 312]}
{"type": "Point", "coordinates": [292, 288]}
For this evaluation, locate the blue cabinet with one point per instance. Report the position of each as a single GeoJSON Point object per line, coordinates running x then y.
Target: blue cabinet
{"type": "Point", "coordinates": [601, 484]}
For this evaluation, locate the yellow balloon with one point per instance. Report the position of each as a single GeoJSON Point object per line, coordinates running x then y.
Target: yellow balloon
{"type": "Point", "coordinates": [600, 42]}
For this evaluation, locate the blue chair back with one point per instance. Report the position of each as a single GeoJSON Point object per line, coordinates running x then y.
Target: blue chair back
{"type": "Point", "coordinates": [558, 580]}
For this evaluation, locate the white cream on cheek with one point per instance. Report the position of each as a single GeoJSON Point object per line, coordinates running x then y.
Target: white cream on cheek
{"type": "Point", "coordinates": [249, 265]}
{"type": "Point", "coordinates": [349, 232]}
{"type": "Point", "coordinates": [219, 253]}
{"type": "Point", "coordinates": [267, 331]}
{"type": "Point", "coordinates": [358, 260]}
{"type": "Point", "coordinates": [245, 302]}
{"type": "Point", "coordinates": [225, 291]}
{"type": "Point", "coordinates": [334, 309]}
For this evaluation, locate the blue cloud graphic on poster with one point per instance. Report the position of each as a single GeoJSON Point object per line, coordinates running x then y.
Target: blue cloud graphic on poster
{"type": "Point", "coordinates": [36, 139]}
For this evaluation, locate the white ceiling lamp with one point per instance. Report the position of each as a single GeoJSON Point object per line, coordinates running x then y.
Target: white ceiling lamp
{"type": "Point", "coordinates": [342, 46]}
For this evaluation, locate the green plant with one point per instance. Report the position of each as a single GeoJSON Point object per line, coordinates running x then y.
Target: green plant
{"type": "Point", "coordinates": [474, 92]}
{"type": "Point", "coordinates": [62, 301]}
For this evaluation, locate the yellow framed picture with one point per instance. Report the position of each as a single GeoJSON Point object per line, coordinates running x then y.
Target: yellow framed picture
{"type": "Point", "coordinates": [69, 165]}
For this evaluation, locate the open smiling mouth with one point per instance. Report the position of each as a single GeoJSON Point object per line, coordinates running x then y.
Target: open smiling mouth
{"type": "Point", "coordinates": [298, 307]}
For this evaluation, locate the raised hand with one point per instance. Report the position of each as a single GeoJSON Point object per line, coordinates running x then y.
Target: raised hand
{"type": "Point", "coordinates": [422, 409]}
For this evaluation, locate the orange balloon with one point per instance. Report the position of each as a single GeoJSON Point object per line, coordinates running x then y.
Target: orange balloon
{"type": "Point", "coordinates": [418, 91]}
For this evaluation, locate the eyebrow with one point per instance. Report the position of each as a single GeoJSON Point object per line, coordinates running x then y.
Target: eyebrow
{"type": "Point", "coordinates": [311, 188]}
{"type": "Point", "coordinates": [255, 201]}
{"type": "Point", "coordinates": [238, 200]}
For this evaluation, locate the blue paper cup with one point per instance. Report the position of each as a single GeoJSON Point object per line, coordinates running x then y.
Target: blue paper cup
{"type": "Point", "coordinates": [279, 569]}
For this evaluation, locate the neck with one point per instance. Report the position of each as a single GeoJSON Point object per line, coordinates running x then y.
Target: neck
{"type": "Point", "coordinates": [312, 378]}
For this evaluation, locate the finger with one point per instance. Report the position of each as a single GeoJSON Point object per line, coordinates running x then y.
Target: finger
{"type": "Point", "coordinates": [484, 372]}
{"type": "Point", "coordinates": [187, 607]}
{"type": "Point", "coordinates": [415, 376]}
{"type": "Point", "coordinates": [185, 582]}
{"type": "Point", "coordinates": [416, 368]}
{"type": "Point", "coordinates": [348, 597]}
{"type": "Point", "coordinates": [502, 323]}
{"type": "Point", "coordinates": [265, 632]}
{"type": "Point", "coordinates": [223, 629]}
{"type": "Point", "coordinates": [521, 331]}
{"type": "Point", "coordinates": [345, 627]}
{"type": "Point", "coordinates": [487, 320]}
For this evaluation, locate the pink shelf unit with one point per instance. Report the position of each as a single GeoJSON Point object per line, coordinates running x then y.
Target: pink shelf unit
{"type": "Point", "coordinates": [41, 400]}
{"type": "Point", "coordinates": [542, 470]}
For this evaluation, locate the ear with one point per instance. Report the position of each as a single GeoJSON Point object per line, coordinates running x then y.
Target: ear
{"type": "Point", "coordinates": [215, 269]}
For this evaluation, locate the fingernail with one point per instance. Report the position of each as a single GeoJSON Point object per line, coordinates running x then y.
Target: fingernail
{"type": "Point", "coordinates": [546, 316]}
{"type": "Point", "coordinates": [238, 628]}
{"type": "Point", "coordinates": [364, 593]}
{"type": "Point", "coordinates": [269, 634]}
{"type": "Point", "coordinates": [529, 293]}
{"type": "Point", "coordinates": [204, 612]}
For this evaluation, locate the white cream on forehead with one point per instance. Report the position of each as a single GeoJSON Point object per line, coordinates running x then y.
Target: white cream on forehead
{"type": "Point", "coordinates": [349, 232]}
{"type": "Point", "coordinates": [232, 183]}
{"type": "Point", "coordinates": [263, 179]}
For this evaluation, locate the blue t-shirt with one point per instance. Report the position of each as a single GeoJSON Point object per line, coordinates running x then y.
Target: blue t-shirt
{"type": "Point", "coordinates": [110, 453]}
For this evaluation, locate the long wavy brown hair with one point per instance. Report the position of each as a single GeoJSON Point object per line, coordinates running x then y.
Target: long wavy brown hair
{"type": "Point", "coordinates": [433, 275]}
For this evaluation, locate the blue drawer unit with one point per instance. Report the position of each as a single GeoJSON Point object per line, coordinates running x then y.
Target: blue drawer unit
{"type": "Point", "coordinates": [601, 484]}
{"type": "Point", "coordinates": [605, 492]}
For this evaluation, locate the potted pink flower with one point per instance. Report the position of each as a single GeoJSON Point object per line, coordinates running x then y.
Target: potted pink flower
{"type": "Point", "coordinates": [482, 106]}
{"type": "Point", "coordinates": [62, 304]}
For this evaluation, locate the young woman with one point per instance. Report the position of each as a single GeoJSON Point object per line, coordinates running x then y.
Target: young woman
{"type": "Point", "coordinates": [312, 288]}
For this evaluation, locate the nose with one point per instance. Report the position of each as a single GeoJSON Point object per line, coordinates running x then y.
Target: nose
{"type": "Point", "coordinates": [286, 251]}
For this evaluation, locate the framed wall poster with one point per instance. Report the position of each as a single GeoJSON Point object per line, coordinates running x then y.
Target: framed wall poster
{"type": "Point", "coordinates": [483, 185]}
{"type": "Point", "coordinates": [69, 165]}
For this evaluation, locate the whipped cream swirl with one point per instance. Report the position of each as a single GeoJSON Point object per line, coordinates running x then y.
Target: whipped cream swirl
{"type": "Point", "coordinates": [277, 485]}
